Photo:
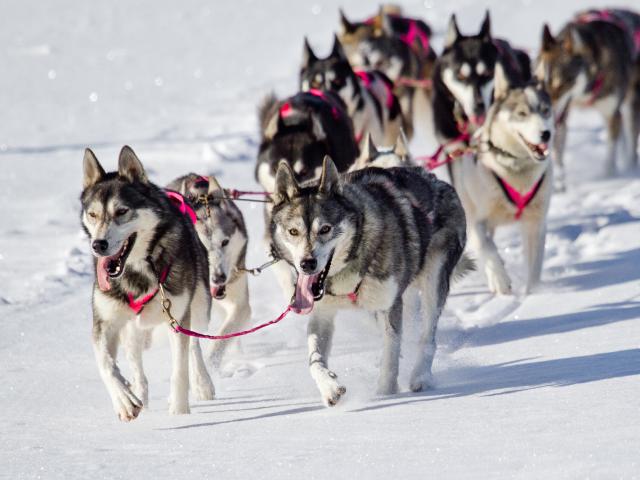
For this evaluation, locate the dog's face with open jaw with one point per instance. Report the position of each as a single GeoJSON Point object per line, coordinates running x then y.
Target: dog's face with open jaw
{"type": "Point", "coordinates": [467, 66]}
{"type": "Point", "coordinates": [309, 228]}
{"type": "Point", "coordinates": [332, 73]}
{"type": "Point", "coordinates": [113, 212]}
{"type": "Point", "coordinates": [523, 120]}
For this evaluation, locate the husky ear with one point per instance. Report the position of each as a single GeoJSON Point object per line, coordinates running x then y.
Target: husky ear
{"type": "Point", "coordinates": [573, 41]}
{"type": "Point", "coordinates": [401, 147]}
{"type": "Point", "coordinates": [500, 82]}
{"type": "Point", "coordinates": [130, 167]}
{"type": "Point", "coordinates": [548, 41]}
{"type": "Point", "coordinates": [452, 32]}
{"type": "Point", "coordinates": [214, 187]}
{"type": "Point", "coordinates": [337, 51]}
{"type": "Point", "coordinates": [308, 55]}
{"type": "Point", "coordinates": [485, 29]}
{"type": "Point", "coordinates": [345, 25]}
{"type": "Point", "coordinates": [330, 178]}
{"type": "Point", "coordinates": [286, 184]}
{"type": "Point", "coordinates": [93, 171]}
{"type": "Point", "coordinates": [369, 151]}
{"type": "Point", "coordinates": [387, 28]}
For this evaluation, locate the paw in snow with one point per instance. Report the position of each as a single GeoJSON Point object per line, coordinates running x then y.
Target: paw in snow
{"type": "Point", "coordinates": [330, 390]}
{"type": "Point", "coordinates": [499, 282]}
{"type": "Point", "coordinates": [421, 383]}
{"type": "Point", "coordinates": [203, 389]}
{"type": "Point", "coordinates": [126, 404]}
{"type": "Point", "coordinates": [179, 408]}
{"type": "Point", "coordinates": [387, 386]}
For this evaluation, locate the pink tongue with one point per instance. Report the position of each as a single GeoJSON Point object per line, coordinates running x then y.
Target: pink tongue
{"type": "Point", "coordinates": [214, 290]}
{"type": "Point", "coordinates": [102, 275]}
{"type": "Point", "coordinates": [303, 301]}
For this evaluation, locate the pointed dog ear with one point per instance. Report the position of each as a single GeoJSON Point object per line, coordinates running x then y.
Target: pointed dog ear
{"type": "Point", "coordinates": [548, 41]}
{"type": "Point", "coordinates": [386, 26]}
{"type": "Point", "coordinates": [337, 51]}
{"type": "Point", "coordinates": [130, 167]}
{"type": "Point", "coordinates": [573, 41]}
{"type": "Point", "coordinates": [345, 25]}
{"type": "Point", "coordinates": [452, 32]}
{"type": "Point", "coordinates": [330, 178]}
{"type": "Point", "coordinates": [369, 150]}
{"type": "Point", "coordinates": [214, 187]}
{"type": "Point", "coordinates": [308, 55]}
{"type": "Point", "coordinates": [401, 147]}
{"type": "Point", "coordinates": [286, 184]}
{"type": "Point", "coordinates": [500, 82]}
{"type": "Point", "coordinates": [485, 29]}
{"type": "Point", "coordinates": [93, 171]}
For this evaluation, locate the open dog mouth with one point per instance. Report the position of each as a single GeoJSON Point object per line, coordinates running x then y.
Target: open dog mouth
{"type": "Point", "coordinates": [539, 151]}
{"type": "Point", "coordinates": [219, 292]}
{"type": "Point", "coordinates": [309, 289]}
{"type": "Point", "coordinates": [113, 266]}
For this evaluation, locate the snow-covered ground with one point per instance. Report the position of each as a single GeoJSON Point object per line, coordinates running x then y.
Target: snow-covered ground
{"type": "Point", "coordinates": [543, 386]}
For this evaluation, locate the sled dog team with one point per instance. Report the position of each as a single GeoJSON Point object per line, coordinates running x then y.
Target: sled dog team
{"type": "Point", "coordinates": [354, 221]}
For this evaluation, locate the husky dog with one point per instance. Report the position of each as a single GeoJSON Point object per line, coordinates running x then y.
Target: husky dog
{"type": "Point", "coordinates": [463, 79]}
{"type": "Point", "coordinates": [593, 62]}
{"type": "Point", "coordinates": [221, 229]}
{"type": "Point", "coordinates": [401, 48]}
{"type": "Point", "coordinates": [359, 241]}
{"type": "Point", "coordinates": [142, 243]}
{"type": "Point", "coordinates": [511, 178]}
{"type": "Point", "coordinates": [385, 157]}
{"type": "Point", "coordinates": [301, 130]}
{"type": "Point", "coordinates": [368, 95]}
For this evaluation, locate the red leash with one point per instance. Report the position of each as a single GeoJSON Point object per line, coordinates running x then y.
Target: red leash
{"type": "Point", "coordinates": [414, 82]}
{"type": "Point", "coordinates": [431, 162]}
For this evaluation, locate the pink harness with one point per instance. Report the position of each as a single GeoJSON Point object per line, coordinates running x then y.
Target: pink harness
{"type": "Point", "coordinates": [286, 109]}
{"type": "Point", "coordinates": [609, 16]}
{"type": "Point", "coordinates": [367, 79]}
{"type": "Point", "coordinates": [413, 33]}
{"type": "Point", "coordinates": [519, 200]}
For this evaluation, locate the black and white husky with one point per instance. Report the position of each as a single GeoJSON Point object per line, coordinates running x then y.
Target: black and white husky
{"type": "Point", "coordinates": [221, 229]}
{"type": "Point", "coordinates": [511, 178]}
{"type": "Point", "coordinates": [595, 62]}
{"type": "Point", "coordinates": [141, 243]}
{"type": "Point", "coordinates": [359, 241]}
{"type": "Point", "coordinates": [302, 129]}
{"type": "Point", "coordinates": [463, 79]}
{"type": "Point", "coordinates": [368, 94]}
{"type": "Point", "coordinates": [384, 157]}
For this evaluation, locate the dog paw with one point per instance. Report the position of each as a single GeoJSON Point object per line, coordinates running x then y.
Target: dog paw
{"type": "Point", "coordinates": [330, 390]}
{"type": "Point", "coordinates": [204, 390]}
{"type": "Point", "coordinates": [179, 408]}
{"type": "Point", "coordinates": [498, 282]}
{"type": "Point", "coordinates": [127, 405]}
{"type": "Point", "coordinates": [387, 387]}
{"type": "Point", "coordinates": [421, 383]}
{"type": "Point", "coordinates": [141, 391]}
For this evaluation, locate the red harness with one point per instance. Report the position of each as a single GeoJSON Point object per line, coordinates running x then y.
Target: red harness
{"type": "Point", "coordinates": [367, 79]}
{"type": "Point", "coordinates": [286, 109]}
{"type": "Point", "coordinates": [519, 200]}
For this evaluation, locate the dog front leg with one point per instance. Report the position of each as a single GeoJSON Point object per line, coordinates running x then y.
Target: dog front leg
{"type": "Point", "coordinates": [558, 144]}
{"type": "Point", "coordinates": [497, 278]}
{"type": "Point", "coordinates": [105, 346]}
{"type": "Point", "coordinates": [533, 236]}
{"type": "Point", "coordinates": [179, 390]}
{"type": "Point", "coordinates": [135, 340]}
{"type": "Point", "coordinates": [319, 336]}
{"type": "Point", "coordinates": [392, 321]}
{"type": "Point", "coordinates": [614, 127]}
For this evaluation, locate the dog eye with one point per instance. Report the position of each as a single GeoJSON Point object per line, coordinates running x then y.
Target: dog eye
{"type": "Point", "coordinates": [121, 211]}
{"type": "Point", "coordinates": [293, 232]}
{"type": "Point", "coordinates": [225, 242]}
{"type": "Point", "coordinates": [521, 113]}
{"type": "Point", "coordinates": [545, 111]}
{"type": "Point", "coordinates": [325, 229]}
{"type": "Point", "coordinates": [92, 214]}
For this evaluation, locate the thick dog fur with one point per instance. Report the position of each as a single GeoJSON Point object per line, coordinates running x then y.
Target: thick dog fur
{"type": "Point", "coordinates": [376, 232]}
{"type": "Point", "coordinates": [519, 120]}
{"type": "Point", "coordinates": [371, 103]}
{"type": "Point", "coordinates": [222, 231]}
{"type": "Point", "coordinates": [593, 62]}
{"type": "Point", "coordinates": [302, 129]}
{"type": "Point", "coordinates": [123, 212]}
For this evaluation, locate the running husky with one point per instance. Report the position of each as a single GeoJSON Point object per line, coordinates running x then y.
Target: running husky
{"type": "Point", "coordinates": [368, 95]}
{"type": "Point", "coordinates": [142, 243]}
{"type": "Point", "coordinates": [463, 80]}
{"type": "Point", "coordinates": [511, 178]}
{"type": "Point", "coordinates": [359, 241]}
{"type": "Point", "coordinates": [222, 231]}
{"type": "Point", "coordinates": [384, 157]}
{"type": "Point", "coordinates": [301, 130]}
{"type": "Point", "coordinates": [594, 62]}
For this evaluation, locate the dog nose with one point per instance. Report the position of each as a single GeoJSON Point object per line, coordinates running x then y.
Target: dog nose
{"type": "Point", "coordinates": [545, 136]}
{"type": "Point", "coordinates": [219, 278]}
{"type": "Point", "coordinates": [308, 265]}
{"type": "Point", "coordinates": [100, 246]}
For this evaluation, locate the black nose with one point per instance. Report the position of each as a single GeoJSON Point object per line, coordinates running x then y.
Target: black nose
{"type": "Point", "coordinates": [219, 278]}
{"type": "Point", "coordinates": [545, 136]}
{"type": "Point", "coordinates": [308, 265]}
{"type": "Point", "coordinates": [100, 246]}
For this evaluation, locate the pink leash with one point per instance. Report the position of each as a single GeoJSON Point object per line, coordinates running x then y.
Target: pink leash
{"type": "Point", "coordinates": [431, 162]}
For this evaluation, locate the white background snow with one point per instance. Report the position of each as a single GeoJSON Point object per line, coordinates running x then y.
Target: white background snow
{"type": "Point", "coordinates": [543, 386]}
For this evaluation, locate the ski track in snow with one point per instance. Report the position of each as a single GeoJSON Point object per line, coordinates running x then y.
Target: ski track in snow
{"type": "Point", "coordinates": [537, 386]}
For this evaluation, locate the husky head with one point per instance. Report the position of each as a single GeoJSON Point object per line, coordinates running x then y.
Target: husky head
{"type": "Point", "coordinates": [220, 227]}
{"type": "Point", "coordinates": [467, 65]}
{"type": "Point", "coordinates": [563, 65]}
{"type": "Point", "coordinates": [520, 120]}
{"type": "Point", "coordinates": [372, 156]}
{"type": "Point", "coordinates": [311, 229]}
{"type": "Point", "coordinates": [116, 213]}
{"type": "Point", "coordinates": [352, 35]}
{"type": "Point", "coordinates": [333, 73]}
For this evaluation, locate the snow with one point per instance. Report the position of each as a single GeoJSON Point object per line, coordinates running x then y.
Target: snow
{"type": "Point", "coordinates": [538, 386]}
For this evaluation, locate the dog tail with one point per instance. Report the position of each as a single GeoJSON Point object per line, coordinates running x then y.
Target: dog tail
{"type": "Point", "coordinates": [266, 110]}
{"type": "Point", "coordinates": [465, 265]}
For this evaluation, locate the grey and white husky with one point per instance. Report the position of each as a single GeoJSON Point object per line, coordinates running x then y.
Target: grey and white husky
{"type": "Point", "coordinates": [511, 178]}
{"type": "Point", "coordinates": [221, 229]}
{"type": "Point", "coordinates": [594, 61]}
{"type": "Point", "coordinates": [359, 241]}
{"type": "Point", "coordinates": [141, 242]}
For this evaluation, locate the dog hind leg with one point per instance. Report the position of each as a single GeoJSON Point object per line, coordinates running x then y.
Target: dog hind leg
{"type": "Point", "coordinates": [533, 236]}
{"type": "Point", "coordinates": [199, 379]}
{"type": "Point", "coordinates": [392, 321]}
{"type": "Point", "coordinates": [179, 390]}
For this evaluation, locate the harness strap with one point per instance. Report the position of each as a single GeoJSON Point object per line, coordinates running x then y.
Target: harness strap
{"type": "Point", "coordinates": [367, 79]}
{"type": "Point", "coordinates": [431, 162]}
{"type": "Point", "coordinates": [519, 200]}
{"type": "Point", "coordinates": [414, 32]}
{"type": "Point", "coordinates": [610, 17]}
{"type": "Point", "coordinates": [138, 305]}
{"type": "Point", "coordinates": [179, 201]}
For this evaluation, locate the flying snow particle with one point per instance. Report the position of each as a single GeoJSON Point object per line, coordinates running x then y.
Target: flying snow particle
{"type": "Point", "coordinates": [93, 97]}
